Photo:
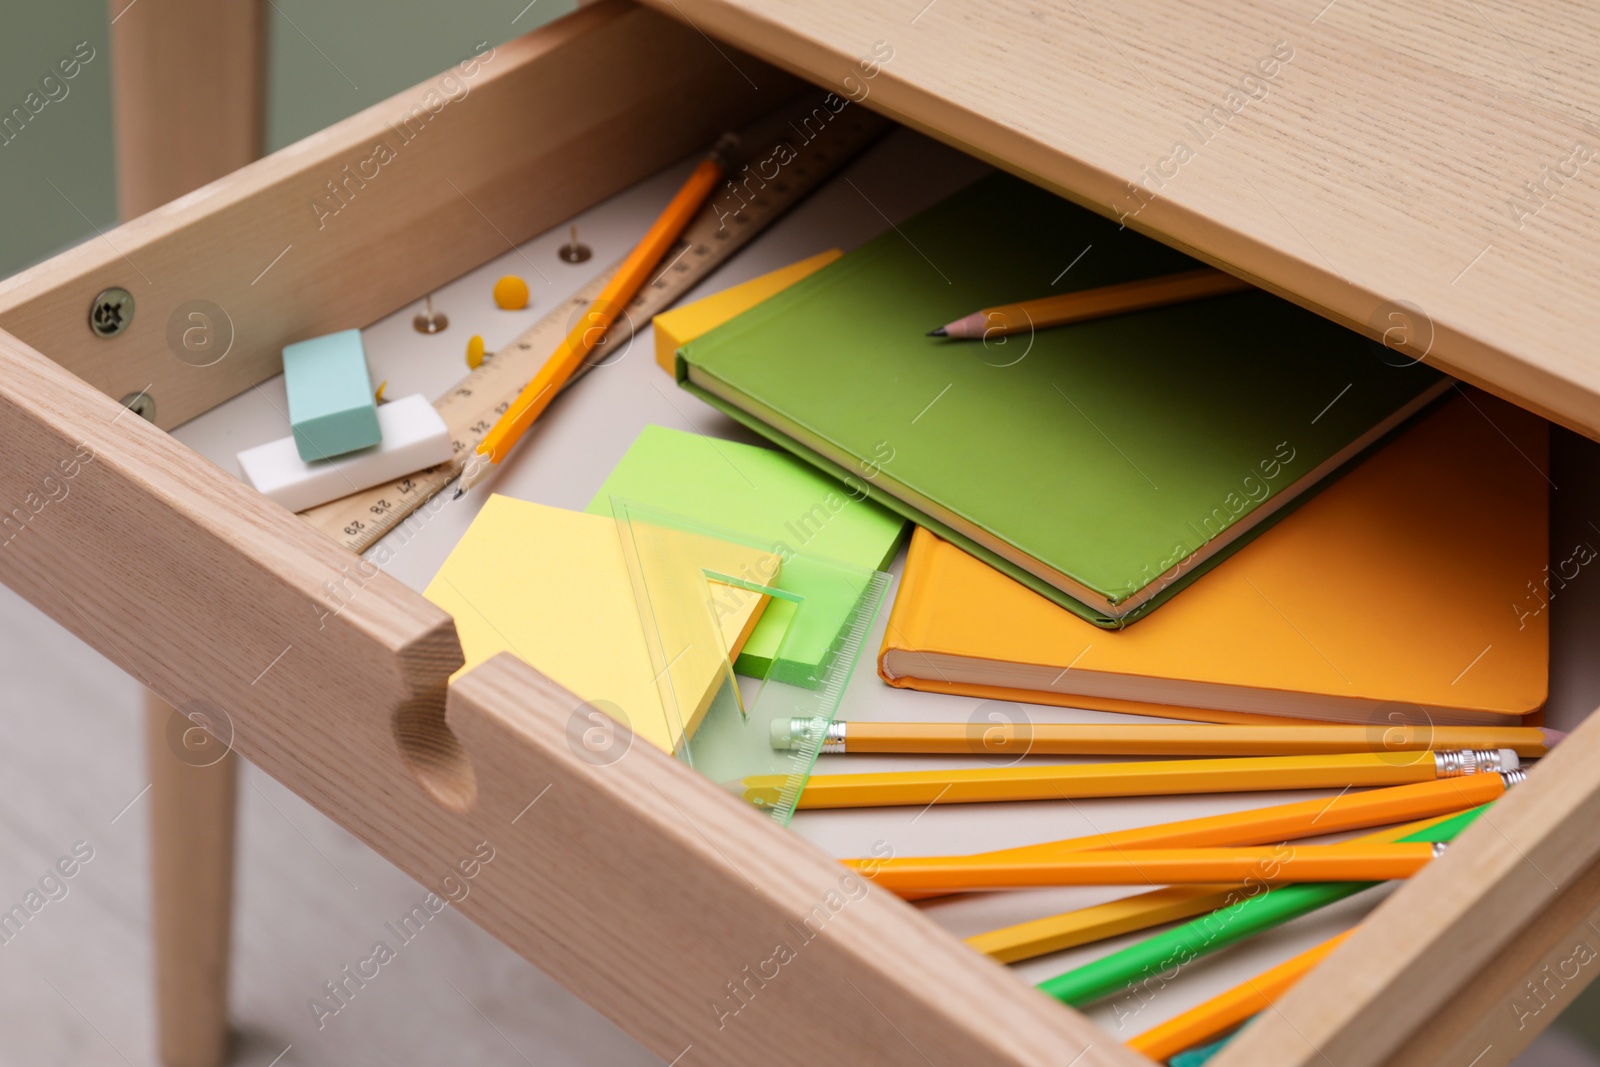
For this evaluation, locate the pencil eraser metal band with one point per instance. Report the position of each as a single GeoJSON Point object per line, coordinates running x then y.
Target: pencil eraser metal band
{"type": "Point", "coordinates": [792, 733]}
{"type": "Point", "coordinates": [1461, 762]}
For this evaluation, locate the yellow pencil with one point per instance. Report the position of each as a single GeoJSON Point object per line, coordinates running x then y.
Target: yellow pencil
{"type": "Point", "coordinates": [1088, 304]}
{"type": "Point", "coordinates": [1155, 778]}
{"type": "Point", "coordinates": [1152, 739]}
{"type": "Point", "coordinates": [1085, 926]}
{"type": "Point", "coordinates": [564, 362]}
{"type": "Point", "coordinates": [1256, 826]}
{"type": "Point", "coordinates": [1269, 865]}
{"type": "Point", "coordinates": [1226, 1010]}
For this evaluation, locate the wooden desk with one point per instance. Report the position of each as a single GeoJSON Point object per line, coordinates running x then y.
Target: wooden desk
{"type": "Point", "coordinates": [645, 909]}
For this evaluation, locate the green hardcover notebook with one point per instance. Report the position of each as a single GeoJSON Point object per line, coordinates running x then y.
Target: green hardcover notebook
{"type": "Point", "coordinates": [773, 497]}
{"type": "Point", "coordinates": [1104, 464]}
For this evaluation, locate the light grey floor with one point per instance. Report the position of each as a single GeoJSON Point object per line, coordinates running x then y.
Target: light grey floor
{"type": "Point", "coordinates": [74, 983]}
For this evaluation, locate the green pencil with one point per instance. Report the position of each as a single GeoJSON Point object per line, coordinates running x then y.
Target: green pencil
{"type": "Point", "coordinates": [1160, 957]}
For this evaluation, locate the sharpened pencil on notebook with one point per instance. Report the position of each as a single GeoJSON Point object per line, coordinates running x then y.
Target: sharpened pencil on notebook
{"type": "Point", "coordinates": [1103, 739]}
{"type": "Point", "coordinates": [1086, 304]}
{"type": "Point", "coordinates": [1153, 778]}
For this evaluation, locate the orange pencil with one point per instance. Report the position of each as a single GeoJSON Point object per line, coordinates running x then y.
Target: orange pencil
{"type": "Point", "coordinates": [1097, 303]}
{"type": "Point", "coordinates": [1254, 826]}
{"type": "Point", "coordinates": [1226, 1010]}
{"type": "Point", "coordinates": [1084, 926]}
{"type": "Point", "coordinates": [1274, 865]}
{"type": "Point", "coordinates": [631, 276]}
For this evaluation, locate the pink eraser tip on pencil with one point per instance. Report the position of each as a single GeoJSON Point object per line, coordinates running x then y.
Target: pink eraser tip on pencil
{"type": "Point", "coordinates": [1552, 738]}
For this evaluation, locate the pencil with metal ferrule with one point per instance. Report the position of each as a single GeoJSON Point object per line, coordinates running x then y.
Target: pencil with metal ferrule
{"type": "Point", "coordinates": [1282, 864]}
{"type": "Point", "coordinates": [1154, 739]}
{"type": "Point", "coordinates": [1250, 915]}
{"type": "Point", "coordinates": [1228, 1009]}
{"type": "Point", "coordinates": [1254, 826]}
{"type": "Point", "coordinates": [1154, 778]}
{"type": "Point", "coordinates": [1086, 304]}
{"type": "Point", "coordinates": [630, 277]}
{"type": "Point", "coordinates": [1084, 926]}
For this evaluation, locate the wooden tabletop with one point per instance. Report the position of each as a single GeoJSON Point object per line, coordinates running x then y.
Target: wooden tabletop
{"type": "Point", "coordinates": [1429, 171]}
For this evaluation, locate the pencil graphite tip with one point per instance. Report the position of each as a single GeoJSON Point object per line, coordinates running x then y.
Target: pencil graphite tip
{"type": "Point", "coordinates": [940, 332]}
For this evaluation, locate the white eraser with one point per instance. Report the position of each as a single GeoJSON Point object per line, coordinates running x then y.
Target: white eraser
{"type": "Point", "coordinates": [1509, 760]}
{"type": "Point", "coordinates": [414, 437]}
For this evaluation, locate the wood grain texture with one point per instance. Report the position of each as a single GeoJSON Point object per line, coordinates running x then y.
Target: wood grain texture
{"type": "Point", "coordinates": [1514, 883]}
{"type": "Point", "coordinates": [217, 600]}
{"type": "Point", "coordinates": [186, 93]}
{"type": "Point", "coordinates": [187, 86]}
{"type": "Point", "coordinates": [375, 211]}
{"type": "Point", "coordinates": [1502, 1008]}
{"type": "Point", "coordinates": [682, 914]}
{"type": "Point", "coordinates": [1386, 160]}
{"type": "Point", "coordinates": [194, 789]}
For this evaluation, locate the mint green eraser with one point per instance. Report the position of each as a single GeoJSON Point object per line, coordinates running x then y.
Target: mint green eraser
{"type": "Point", "coordinates": [331, 407]}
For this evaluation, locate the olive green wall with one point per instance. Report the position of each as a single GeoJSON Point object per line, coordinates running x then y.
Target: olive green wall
{"type": "Point", "coordinates": [66, 145]}
{"type": "Point", "coordinates": [326, 59]}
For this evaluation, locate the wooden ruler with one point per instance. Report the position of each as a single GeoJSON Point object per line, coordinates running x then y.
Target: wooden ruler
{"type": "Point", "coordinates": [783, 159]}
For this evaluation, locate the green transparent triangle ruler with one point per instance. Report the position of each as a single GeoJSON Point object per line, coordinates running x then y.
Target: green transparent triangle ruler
{"type": "Point", "coordinates": [700, 588]}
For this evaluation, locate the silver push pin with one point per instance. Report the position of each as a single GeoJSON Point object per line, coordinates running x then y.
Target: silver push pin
{"type": "Point", "coordinates": [429, 320]}
{"type": "Point", "coordinates": [572, 251]}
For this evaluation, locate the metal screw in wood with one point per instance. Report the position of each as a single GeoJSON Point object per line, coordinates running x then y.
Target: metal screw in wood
{"type": "Point", "coordinates": [111, 312]}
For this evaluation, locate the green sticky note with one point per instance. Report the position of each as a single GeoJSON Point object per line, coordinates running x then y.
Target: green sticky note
{"type": "Point", "coordinates": [331, 406]}
{"type": "Point", "coordinates": [774, 498]}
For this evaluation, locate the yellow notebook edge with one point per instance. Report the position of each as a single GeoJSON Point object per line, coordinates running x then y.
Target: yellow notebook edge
{"type": "Point", "coordinates": [672, 328]}
{"type": "Point", "coordinates": [903, 632]}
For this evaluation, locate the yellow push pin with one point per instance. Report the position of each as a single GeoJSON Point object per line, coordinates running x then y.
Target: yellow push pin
{"type": "Point", "coordinates": [475, 352]}
{"type": "Point", "coordinates": [511, 293]}
{"type": "Point", "coordinates": [378, 396]}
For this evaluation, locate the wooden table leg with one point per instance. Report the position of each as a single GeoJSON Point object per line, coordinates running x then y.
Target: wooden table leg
{"type": "Point", "coordinates": [187, 96]}
{"type": "Point", "coordinates": [193, 795]}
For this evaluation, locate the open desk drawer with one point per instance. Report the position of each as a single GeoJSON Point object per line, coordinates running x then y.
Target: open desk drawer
{"type": "Point", "coordinates": [644, 888]}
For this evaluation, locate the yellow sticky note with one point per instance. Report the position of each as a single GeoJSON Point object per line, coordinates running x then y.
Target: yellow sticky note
{"type": "Point", "coordinates": [552, 587]}
{"type": "Point", "coordinates": [681, 325]}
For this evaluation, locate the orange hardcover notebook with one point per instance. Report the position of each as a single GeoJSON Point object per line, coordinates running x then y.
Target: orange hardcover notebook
{"type": "Point", "coordinates": [1409, 588]}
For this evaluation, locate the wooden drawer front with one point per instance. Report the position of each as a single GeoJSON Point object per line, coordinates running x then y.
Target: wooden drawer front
{"type": "Point", "coordinates": [693, 922]}
{"type": "Point", "coordinates": [216, 599]}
